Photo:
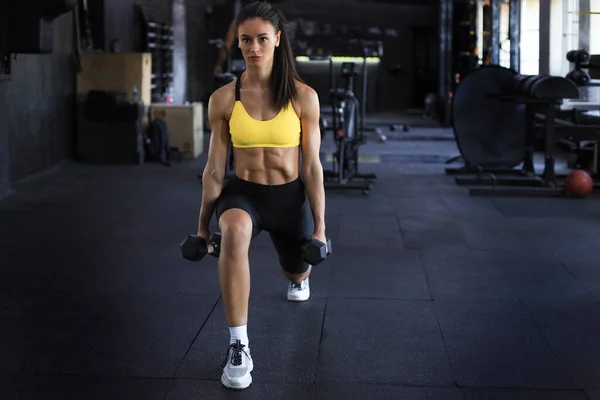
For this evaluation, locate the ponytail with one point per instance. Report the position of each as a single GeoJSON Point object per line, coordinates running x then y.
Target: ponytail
{"type": "Point", "coordinates": [284, 75]}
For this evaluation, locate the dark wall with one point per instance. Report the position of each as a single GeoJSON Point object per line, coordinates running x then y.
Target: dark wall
{"type": "Point", "coordinates": [119, 24]}
{"type": "Point", "coordinates": [199, 64]}
{"type": "Point", "coordinates": [394, 91]}
{"type": "Point", "coordinates": [4, 150]}
{"type": "Point", "coordinates": [37, 108]}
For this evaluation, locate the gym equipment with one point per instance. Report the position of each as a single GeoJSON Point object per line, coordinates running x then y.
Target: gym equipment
{"type": "Point", "coordinates": [583, 61]}
{"type": "Point", "coordinates": [578, 56]}
{"type": "Point", "coordinates": [226, 77]}
{"type": "Point", "coordinates": [314, 251]}
{"type": "Point", "coordinates": [195, 248]}
{"type": "Point", "coordinates": [579, 77]}
{"type": "Point", "coordinates": [504, 91]}
{"type": "Point", "coordinates": [371, 48]}
{"type": "Point", "coordinates": [489, 133]}
{"type": "Point", "coordinates": [347, 135]}
{"type": "Point", "coordinates": [578, 184]}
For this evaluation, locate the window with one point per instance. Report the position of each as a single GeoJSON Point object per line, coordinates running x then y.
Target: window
{"type": "Point", "coordinates": [504, 36]}
{"type": "Point", "coordinates": [564, 34]}
{"type": "Point", "coordinates": [595, 27]}
{"type": "Point", "coordinates": [530, 37]}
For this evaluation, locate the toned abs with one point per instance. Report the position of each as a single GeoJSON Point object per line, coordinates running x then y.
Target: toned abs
{"type": "Point", "coordinates": [264, 165]}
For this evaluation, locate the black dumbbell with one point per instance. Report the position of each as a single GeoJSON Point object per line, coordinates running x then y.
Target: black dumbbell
{"type": "Point", "coordinates": [194, 247]}
{"type": "Point", "coordinates": [579, 77]}
{"type": "Point", "coordinates": [578, 56]}
{"type": "Point", "coordinates": [314, 251]}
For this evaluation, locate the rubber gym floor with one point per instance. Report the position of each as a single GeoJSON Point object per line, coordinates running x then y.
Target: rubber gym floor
{"type": "Point", "coordinates": [430, 293]}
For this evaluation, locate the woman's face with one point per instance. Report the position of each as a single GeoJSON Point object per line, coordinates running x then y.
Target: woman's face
{"type": "Point", "coordinates": [257, 39]}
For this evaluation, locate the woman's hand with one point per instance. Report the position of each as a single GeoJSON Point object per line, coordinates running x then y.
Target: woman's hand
{"type": "Point", "coordinates": [320, 235]}
{"type": "Point", "coordinates": [204, 233]}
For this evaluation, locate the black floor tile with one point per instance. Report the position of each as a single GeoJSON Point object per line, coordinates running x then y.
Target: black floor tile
{"type": "Point", "coordinates": [431, 231]}
{"type": "Point", "coordinates": [463, 206]}
{"type": "Point", "coordinates": [526, 234]}
{"type": "Point", "coordinates": [541, 208]}
{"type": "Point", "coordinates": [417, 206]}
{"type": "Point", "coordinates": [141, 336]}
{"type": "Point", "coordinates": [542, 278]}
{"type": "Point", "coordinates": [12, 385]}
{"type": "Point", "coordinates": [500, 274]}
{"type": "Point", "coordinates": [495, 394]}
{"type": "Point", "coordinates": [378, 273]}
{"type": "Point", "coordinates": [360, 205]}
{"type": "Point", "coordinates": [572, 330]}
{"type": "Point", "coordinates": [36, 326]}
{"type": "Point", "coordinates": [521, 394]}
{"type": "Point", "coordinates": [593, 394]}
{"type": "Point", "coordinates": [283, 340]}
{"type": "Point", "coordinates": [556, 395]}
{"type": "Point", "coordinates": [466, 275]}
{"type": "Point", "coordinates": [582, 262]}
{"type": "Point", "coordinates": [383, 341]}
{"type": "Point", "coordinates": [375, 231]}
{"type": "Point", "coordinates": [87, 265]}
{"type": "Point", "coordinates": [496, 344]}
{"type": "Point", "coordinates": [56, 387]}
{"type": "Point", "coordinates": [184, 277]}
{"type": "Point", "coordinates": [195, 389]}
{"type": "Point", "coordinates": [360, 391]}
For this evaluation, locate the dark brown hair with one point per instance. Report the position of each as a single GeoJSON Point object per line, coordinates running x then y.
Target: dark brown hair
{"type": "Point", "coordinates": [282, 83]}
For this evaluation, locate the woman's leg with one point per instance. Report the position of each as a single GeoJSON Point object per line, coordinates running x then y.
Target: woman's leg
{"type": "Point", "coordinates": [234, 276]}
{"type": "Point", "coordinates": [292, 265]}
{"type": "Point", "coordinates": [293, 228]}
{"type": "Point", "coordinates": [234, 269]}
{"type": "Point", "coordinates": [297, 278]}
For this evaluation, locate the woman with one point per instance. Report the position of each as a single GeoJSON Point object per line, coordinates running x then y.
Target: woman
{"type": "Point", "coordinates": [270, 116]}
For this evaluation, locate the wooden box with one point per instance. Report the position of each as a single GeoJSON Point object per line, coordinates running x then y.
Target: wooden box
{"type": "Point", "coordinates": [185, 126]}
{"type": "Point", "coordinates": [116, 72]}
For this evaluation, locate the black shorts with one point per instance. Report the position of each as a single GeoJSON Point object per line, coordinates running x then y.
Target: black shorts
{"type": "Point", "coordinates": [281, 210]}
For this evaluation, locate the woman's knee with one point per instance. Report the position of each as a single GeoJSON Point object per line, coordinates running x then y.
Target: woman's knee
{"type": "Point", "coordinates": [236, 230]}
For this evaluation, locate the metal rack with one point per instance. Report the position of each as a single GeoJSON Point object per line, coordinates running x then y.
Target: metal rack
{"type": "Point", "coordinates": [159, 42]}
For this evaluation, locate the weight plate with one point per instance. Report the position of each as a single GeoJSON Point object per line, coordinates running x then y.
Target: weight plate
{"type": "Point", "coordinates": [489, 132]}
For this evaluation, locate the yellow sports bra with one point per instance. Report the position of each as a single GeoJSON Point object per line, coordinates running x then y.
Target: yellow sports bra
{"type": "Point", "coordinates": [282, 131]}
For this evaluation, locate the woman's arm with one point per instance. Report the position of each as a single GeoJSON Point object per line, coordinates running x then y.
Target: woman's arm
{"type": "Point", "coordinates": [213, 176]}
{"type": "Point", "coordinates": [312, 170]}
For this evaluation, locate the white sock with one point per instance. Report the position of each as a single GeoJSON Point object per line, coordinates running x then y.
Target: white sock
{"type": "Point", "coordinates": [238, 333]}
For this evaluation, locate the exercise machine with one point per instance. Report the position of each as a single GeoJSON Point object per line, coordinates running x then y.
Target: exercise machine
{"type": "Point", "coordinates": [228, 76]}
{"type": "Point", "coordinates": [501, 119]}
{"type": "Point", "coordinates": [372, 48]}
{"type": "Point", "coordinates": [348, 134]}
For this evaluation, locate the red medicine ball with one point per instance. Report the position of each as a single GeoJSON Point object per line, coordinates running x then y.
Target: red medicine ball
{"type": "Point", "coordinates": [579, 184]}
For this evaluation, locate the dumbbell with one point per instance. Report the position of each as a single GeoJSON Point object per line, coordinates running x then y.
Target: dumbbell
{"type": "Point", "coordinates": [579, 77]}
{"type": "Point", "coordinates": [578, 56]}
{"type": "Point", "coordinates": [314, 251]}
{"type": "Point", "coordinates": [194, 247]}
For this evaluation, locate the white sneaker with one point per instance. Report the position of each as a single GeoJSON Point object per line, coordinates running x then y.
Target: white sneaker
{"type": "Point", "coordinates": [298, 291]}
{"type": "Point", "coordinates": [238, 365]}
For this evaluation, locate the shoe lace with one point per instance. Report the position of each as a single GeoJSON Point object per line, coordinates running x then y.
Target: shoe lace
{"type": "Point", "coordinates": [297, 286]}
{"type": "Point", "coordinates": [236, 349]}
